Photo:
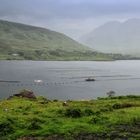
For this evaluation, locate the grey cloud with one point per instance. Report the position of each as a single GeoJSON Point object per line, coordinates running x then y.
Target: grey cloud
{"type": "Point", "coordinates": [72, 17]}
{"type": "Point", "coordinates": [67, 8]}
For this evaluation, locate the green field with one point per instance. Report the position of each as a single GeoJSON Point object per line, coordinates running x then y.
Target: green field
{"type": "Point", "coordinates": [105, 118]}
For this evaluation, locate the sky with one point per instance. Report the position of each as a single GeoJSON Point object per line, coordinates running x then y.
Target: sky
{"type": "Point", "coordinates": [71, 17]}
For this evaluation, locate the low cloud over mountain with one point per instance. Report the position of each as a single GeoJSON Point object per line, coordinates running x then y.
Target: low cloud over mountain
{"type": "Point", "coordinates": [116, 37]}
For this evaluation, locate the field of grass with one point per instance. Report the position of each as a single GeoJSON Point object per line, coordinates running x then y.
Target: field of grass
{"type": "Point", "coordinates": [42, 119]}
{"type": "Point", "coordinates": [60, 56]}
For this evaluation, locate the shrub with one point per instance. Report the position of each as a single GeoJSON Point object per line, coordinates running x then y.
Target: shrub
{"type": "Point", "coordinates": [42, 100]}
{"type": "Point", "coordinates": [98, 120]}
{"type": "Point", "coordinates": [100, 98]}
{"type": "Point", "coordinates": [55, 100]}
{"type": "Point", "coordinates": [6, 127]}
{"type": "Point", "coordinates": [88, 112]}
{"type": "Point", "coordinates": [73, 112]}
{"type": "Point", "coordinates": [97, 113]}
{"type": "Point", "coordinates": [133, 96]}
{"type": "Point", "coordinates": [135, 121]}
{"type": "Point", "coordinates": [60, 111]}
{"type": "Point", "coordinates": [106, 108]}
{"type": "Point", "coordinates": [34, 124]}
{"type": "Point", "coordinates": [124, 105]}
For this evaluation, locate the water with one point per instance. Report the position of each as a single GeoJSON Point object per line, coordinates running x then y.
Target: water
{"type": "Point", "coordinates": [66, 80]}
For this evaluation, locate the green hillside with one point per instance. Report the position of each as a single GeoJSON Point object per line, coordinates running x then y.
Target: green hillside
{"type": "Point", "coordinates": [19, 41]}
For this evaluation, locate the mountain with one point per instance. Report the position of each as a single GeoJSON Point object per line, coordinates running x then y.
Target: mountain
{"type": "Point", "coordinates": [19, 41]}
{"type": "Point", "coordinates": [116, 37]}
{"type": "Point", "coordinates": [25, 42]}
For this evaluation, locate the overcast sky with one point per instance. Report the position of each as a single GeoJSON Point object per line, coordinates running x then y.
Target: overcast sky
{"type": "Point", "coordinates": [72, 17]}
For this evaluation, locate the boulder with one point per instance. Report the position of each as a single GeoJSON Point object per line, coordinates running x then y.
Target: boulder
{"type": "Point", "coordinates": [65, 104]}
{"type": "Point", "coordinates": [25, 94]}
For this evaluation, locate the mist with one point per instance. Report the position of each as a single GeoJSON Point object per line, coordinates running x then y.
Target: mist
{"type": "Point", "coordinates": [71, 17]}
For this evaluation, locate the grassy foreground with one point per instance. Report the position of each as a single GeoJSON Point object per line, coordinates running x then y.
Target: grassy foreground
{"type": "Point", "coordinates": [42, 119]}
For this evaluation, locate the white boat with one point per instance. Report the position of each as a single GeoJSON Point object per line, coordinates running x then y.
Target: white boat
{"type": "Point", "coordinates": [38, 81]}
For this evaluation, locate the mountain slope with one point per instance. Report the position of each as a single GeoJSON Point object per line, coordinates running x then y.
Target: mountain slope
{"type": "Point", "coordinates": [116, 37]}
{"type": "Point", "coordinates": [19, 41]}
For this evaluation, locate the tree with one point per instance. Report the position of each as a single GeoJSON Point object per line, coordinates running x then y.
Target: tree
{"type": "Point", "coordinates": [111, 93]}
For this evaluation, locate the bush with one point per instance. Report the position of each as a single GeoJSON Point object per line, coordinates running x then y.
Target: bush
{"type": "Point", "coordinates": [55, 100]}
{"type": "Point", "coordinates": [34, 124]}
{"type": "Point", "coordinates": [135, 121]}
{"type": "Point", "coordinates": [124, 105]}
{"type": "Point", "coordinates": [88, 112]}
{"type": "Point", "coordinates": [98, 120]}
{"type": "Point", "coordinates": [106, 108]}
{"type": "Point", "coordinates": [6, 127]}
{"type": "Point", "coordinates": [133, 96]}
{"type": "Point", "coordinates": [73, 112]}
{"type": "Point", "coordinates": [76, 112]}
{"type": "Point", "coordinates": [42, 100]}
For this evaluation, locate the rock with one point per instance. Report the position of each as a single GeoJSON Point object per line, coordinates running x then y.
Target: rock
{"type": "Point", "coordinates": [24, 94]}
{"type": "Point", "coordinates": [65, 103]}
{"type": "Point", "coordinates": [6, 110]}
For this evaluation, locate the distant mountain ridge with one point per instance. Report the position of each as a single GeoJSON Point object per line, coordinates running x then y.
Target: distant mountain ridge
{"type": "Point", "coordinates": [116, 37]}
{"type": "Point", "coordinates": [25, 42]}
{"type": "Point", "coordinates": [20, 41]}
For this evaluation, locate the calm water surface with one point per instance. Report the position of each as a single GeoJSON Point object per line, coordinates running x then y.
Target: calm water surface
{"type": "Point", "coordinates": [66, 80]}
